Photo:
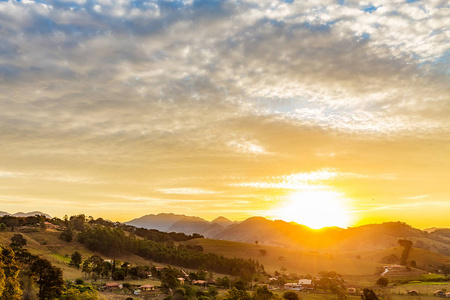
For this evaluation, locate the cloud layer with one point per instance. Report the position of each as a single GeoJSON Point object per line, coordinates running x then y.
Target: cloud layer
{"type": "Point", "coordinates": [159, 99]}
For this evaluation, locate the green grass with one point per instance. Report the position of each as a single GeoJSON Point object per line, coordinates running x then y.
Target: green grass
{"type": "Point", "coordinates": [433, 276]}
{"type": "Point", "coordinates": [424, 288]}
{"type": "Point", "coordinates": [46, 243]}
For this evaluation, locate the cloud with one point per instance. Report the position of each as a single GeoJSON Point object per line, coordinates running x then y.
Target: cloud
{"type": "Point", "coordinates": [300, 181]}
{"type": "Point", "coordinates": [186, 191]}
{"type": "Point", "coordinates": [152, 95]}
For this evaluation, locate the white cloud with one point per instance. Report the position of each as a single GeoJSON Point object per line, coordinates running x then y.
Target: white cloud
{"type": "Point", "coordinates": [186, 191]}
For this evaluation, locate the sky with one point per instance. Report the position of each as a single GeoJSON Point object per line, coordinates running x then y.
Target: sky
{"type": "Point", "coordinates": [325, 110]}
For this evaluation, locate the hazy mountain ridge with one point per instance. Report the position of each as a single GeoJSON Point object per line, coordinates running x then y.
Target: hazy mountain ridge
{"type": "Point", "coordinates": [181, 223]}
{"type": "Point", "coordinates": [370, 237]}
{"type": "Point", "coordinates": [22, 214]}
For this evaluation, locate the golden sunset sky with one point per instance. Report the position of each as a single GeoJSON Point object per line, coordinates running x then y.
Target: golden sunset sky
{"type": "Point", "coordinates": [320, 112]}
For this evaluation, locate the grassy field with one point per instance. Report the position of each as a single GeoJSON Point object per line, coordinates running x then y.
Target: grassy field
{"type": "Point", "coordinates": [422, 257]}
{"type": "Point", "coordinates": [423, 288]}
{"type": "Point", "coordinates": [357, 273]}
{"type": "Point", "coordinates": [46, 243]}
{"type": "Point", "coordinates": [295, 261]}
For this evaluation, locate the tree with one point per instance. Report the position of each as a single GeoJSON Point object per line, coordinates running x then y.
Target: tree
{"type": "Point", "coordinates": [290, 295]}
{"type": "Point", "coordinates": [213, 291]}
{"type": "Point", "coordinates": [118, 275]}
{"type": "Point", "coordinates": [128, 286]}
{"type": "Point", "coordinates": [224, 282]}
{"type": "Point", "coordinates": [86, 268]}
{"type": "Point", "coordinates": [263, 293]}
{"type": "Point", "coordinates": [96, 264]}
{"type": "Point", "coordinates": [49, 279]}
{"type": "Point", "coordinates": [368, 294]}
{"type": "Point", "coordinates": [10, 285]}
{"type": "Point", "coordinates": [75, 259]}
{"type": "Point", "coordinates": [18, 241]}
{"type": "Point", "coordinates": [67, 235]}
{"type": "Point", "coordinates": [406, 244]}
{"type": "Point", "coordinates": [235, 294]}
{"type": "Point", "coordinates": [382, 281]}
{"type": "Point", "coordinates": [78, 222]}
{"type": "Point", "coordinates": [169, 280]}
{"type": "Point", "coordinates": [239, 285]}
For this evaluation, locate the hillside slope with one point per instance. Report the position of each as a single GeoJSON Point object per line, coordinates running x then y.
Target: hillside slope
{"type": "Point", "coordinates": [295, 261]}
{"type": "Point", "coordinates": [46, 243]}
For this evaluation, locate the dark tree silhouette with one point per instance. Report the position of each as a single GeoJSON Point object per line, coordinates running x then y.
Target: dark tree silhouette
{"type": "Point", "coordinates": [382, 281]}
{"type": "Point", "coordinates": [49, 279]}
{"type": "Point", "coordinates": [407, 245]}
{"type": "Point", "coordinates": [368, 294]}
{"type": "Point", "coordinates": [75, 259]}
{"type": "Point", "coordinates": [290, 295]}
{"type": "Point", "coordinates": [18, 241]}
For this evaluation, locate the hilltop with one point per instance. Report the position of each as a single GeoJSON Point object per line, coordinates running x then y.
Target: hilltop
{"type": "Point", "coordinates": [372, 237]}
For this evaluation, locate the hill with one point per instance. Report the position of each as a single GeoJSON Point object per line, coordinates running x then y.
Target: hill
{"type": "Point", "coordinates": [191, 225]}
{"type": "Point", "coordinates": [160, 222]}
{"type": "Point", "coordinates": [294, 261]}
{"type": "Point", "coordinates": [371, 237]}
{"type": "Point", "coordinates": [222, 221]}
{"type": "Point", "coordinates": [48, 245]}
{"type": "Point", "coordinates": [312, 262]}
{"type": "Point", "coordinates": [423, 259]}
{"type": "Point", "coordinates": [115, 240]}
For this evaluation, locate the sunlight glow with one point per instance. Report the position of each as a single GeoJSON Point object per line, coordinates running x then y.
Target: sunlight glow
{"type": "Point", "coordinates": [315, 209]}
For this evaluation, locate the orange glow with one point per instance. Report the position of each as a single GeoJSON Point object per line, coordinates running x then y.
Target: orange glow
{"type": "Point", "coordinates": [315, 209]}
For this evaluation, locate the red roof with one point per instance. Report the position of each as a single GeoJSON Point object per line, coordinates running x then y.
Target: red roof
{"type": "Point", "coordinates": [111, 284]}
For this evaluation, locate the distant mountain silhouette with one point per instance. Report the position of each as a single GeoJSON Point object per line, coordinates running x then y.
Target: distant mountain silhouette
{"type": "Point", "coordinates": [290, 234]}
{"type": "Point", "coordinates": [22, 214]}
{"type": "Point", "coordinates": [190, 225]}
{"type": "Point", "coordinates": [160, 222]}
{"type": "Point", "coordinates": [222, 221]}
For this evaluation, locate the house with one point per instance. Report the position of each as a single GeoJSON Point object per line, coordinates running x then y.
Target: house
{"type": "Point", "coordinates": [413, 293]}
{"type": "Point", "coordinates": [439, 293]}
{"type": "Point", "coordinates": [181, 280]}
{"type": "Point", "coordinates": [200, 282]}
{"type": "Point", "coordinates": [292, 286]}
{"type": "Point", "coordinates": [112, 286]}
{"type": "Point", "coordinates": [306, 283]}
{"type": "Point", "coordinates": [147, 287]}
{"type": "Point", "coordinates": [351, 291]}
{"type": "Point", "coordinates": [447, 295]}
{"type": "Point", "coordinates": [49, 225]}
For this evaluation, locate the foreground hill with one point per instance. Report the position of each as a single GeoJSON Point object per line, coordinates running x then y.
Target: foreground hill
{"type": "Point", "coordinates": [48, 245]}
{"type": "Point", "coordinates": [312, 262]}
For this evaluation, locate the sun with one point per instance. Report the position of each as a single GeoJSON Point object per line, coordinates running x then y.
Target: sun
{"type": "Point", "coordinates": [315, 209]}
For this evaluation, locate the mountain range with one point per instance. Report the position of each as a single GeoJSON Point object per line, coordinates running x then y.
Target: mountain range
{"type": "Point", "coordinates": [292, 235]}
{"type": "Point", "coordinates": [22, 214]}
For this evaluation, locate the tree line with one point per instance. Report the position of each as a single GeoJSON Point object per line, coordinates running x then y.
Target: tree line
{"type": "Point", "coordinates": [114, 241]}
